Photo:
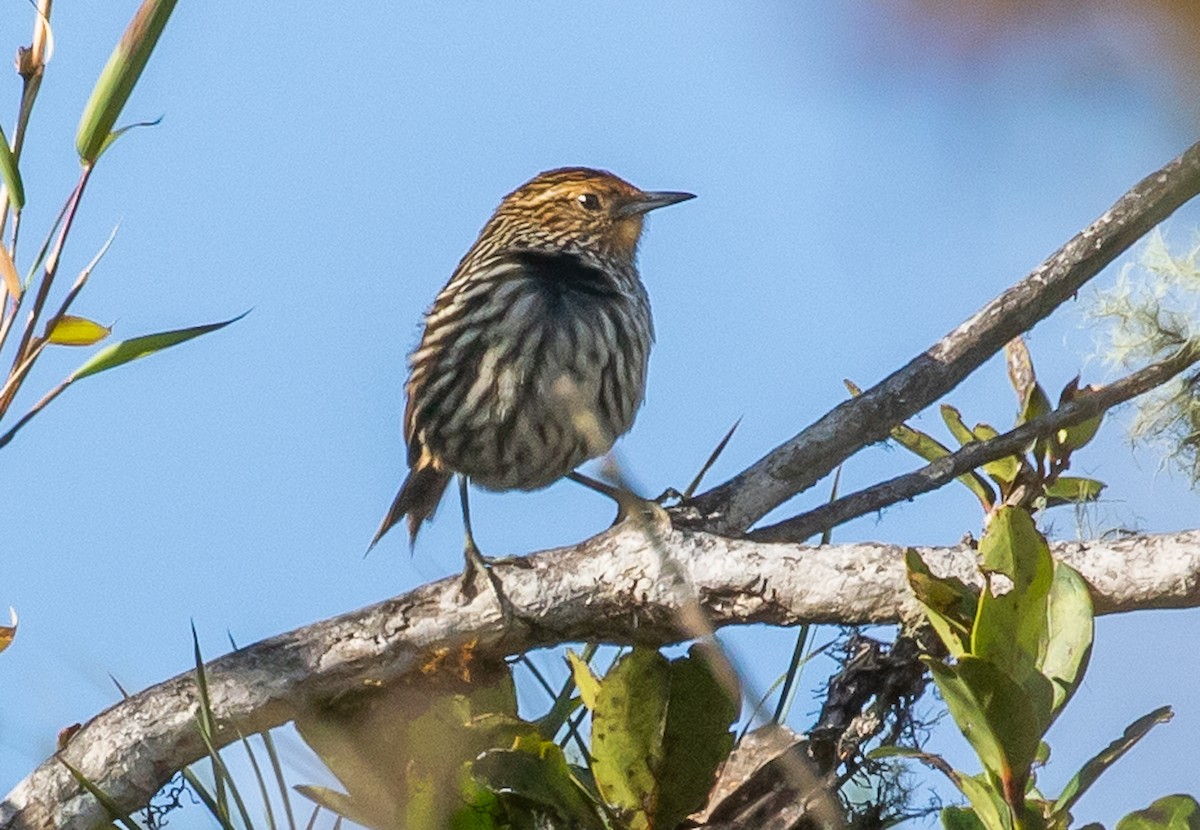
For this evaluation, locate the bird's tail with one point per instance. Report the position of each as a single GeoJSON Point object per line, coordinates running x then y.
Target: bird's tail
{"type": "Point", "coordinates": [417, 499]}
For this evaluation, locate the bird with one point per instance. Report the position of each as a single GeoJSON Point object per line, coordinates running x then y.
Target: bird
{"type": "Point", "coordinates": [534, 355]}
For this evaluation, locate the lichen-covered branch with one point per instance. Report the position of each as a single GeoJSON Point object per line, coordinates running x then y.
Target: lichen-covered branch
{"type": "Point", "coordinates": [614, 587]}
{"type": "Point", "coordinates": [801, 461]}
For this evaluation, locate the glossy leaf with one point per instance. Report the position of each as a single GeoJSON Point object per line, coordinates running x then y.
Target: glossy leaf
{"type": "Point", "coordinates": [1036, 404]}
{"type": "Point", "coordinates": [1092, 770]}
{"type": "Point", "coordinates": [119, 77]}
{"type": "Point", "coordinates": [930, 449]}
{"type": "Point", "coordinates": [69, 330]}
{"type": "Point", "coordinates": [696, 737]}
{"type": "Point", "coordinates": [1073, 490]}
{"type": "Point", "coordinates": [1069, 634]}
{"type": "Point", "coordinates": [1010, 629]}
{"type": "Point", "coordinates": [954, 422]}
{"type": "Point", "coordinates": [585, 680]}
{"type": "Point", "coordinates": [627, 733]}
{"type": "Point", "coordinates": [949, 603]}
{"type": "Point", "coordinates": [537, 771]}
{"type": "Point", "coordinates": [118, 354]}
{"type": "Point", "coordinates": [1079, 435]}
{"type": "Point", "coordinates": [1003, 722]}
{"type": "Point", "coordinates": [10, 174]}
{"type": "Point", "coordinates": [1003, 470]}
{"type": "Point", "coordinates": [1172, 812]}
{"type": "Point", "coordinates": [988, 804]}
{"type": "Point", "coordinates": [961, 818]}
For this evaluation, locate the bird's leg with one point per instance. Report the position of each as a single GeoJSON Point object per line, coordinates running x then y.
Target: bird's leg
{"type": "Point", "coordinates": [476, 562]}
{"type": "Point", "coordinates": [625, 499]}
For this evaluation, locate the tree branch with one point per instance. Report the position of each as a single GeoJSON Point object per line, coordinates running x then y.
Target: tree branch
{"type": "Point", "coordinates": [613, 587]}
{"type": "Point", "coordinates": [800, 462]}
{"type": "Point", "coordinates": [975, 454]}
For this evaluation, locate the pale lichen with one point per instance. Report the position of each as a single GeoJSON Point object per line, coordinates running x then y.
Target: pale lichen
{"type": "Point", "coordinates": [1151, 311]}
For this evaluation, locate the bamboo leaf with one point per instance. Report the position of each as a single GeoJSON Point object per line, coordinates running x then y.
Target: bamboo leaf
{"type": "Point", "coordinates": [69, 330]}
{"type": "Point", "coordinates": [9, 275]}
{"type": "Point", "coordinates": [121, 353]}
{"type": "Point", "coordinates": [10, 175]}
{"type": "Point", "coordinates": [119, 77]}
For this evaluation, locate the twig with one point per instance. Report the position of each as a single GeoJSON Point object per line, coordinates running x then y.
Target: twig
{"type": "Point", "coordinates": [944, 470]}
{"type": "Point", "coordinates": [803, 460]}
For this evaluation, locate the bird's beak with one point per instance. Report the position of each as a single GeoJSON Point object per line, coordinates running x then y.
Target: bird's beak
{"type": "Point", "coordinates": [653, 200]}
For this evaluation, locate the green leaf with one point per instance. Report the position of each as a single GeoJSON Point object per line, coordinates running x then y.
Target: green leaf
{"type": "Point", "coordinates": [627, 733]}
{"type": "Point", "coordinates": [1069, 632]}
{"type": "Point", "coordinates": [1073, 490]}
{"type": "Point", "coordinates": [1092, 770]}
{"type": "Point", "coordinates": [119, 77]}
{"type": "Point", "coordinates": [537, 771]}
{"type": "Point", "coordinates": [1079, 435]}
{"type": "Point", "coordinates": [10, 175]}
{"type": "Point", "coordinates": [1003, 470]}
{"type": "Point", "coordinates": [961, 818]}
{"type": "Point", "coordinates": [585, 681]}
{"type": "Point", "coordinates": [1036, 404]}
{"type": "Point", "coordinates": [988, 805]}
{"type": "Point", "coordinates": [1010, 629]}
{"type": "Point", "coordinates": [1003, 722]}
{"type": "Point", "coordinates": [956, 425]}
{"type": "Point", "coordinates": [118, 354]}
{"type": "Point", "coordinates": [696, 737]}
{"type": "Point", "coordinates": [930, 449]}
{"type": "Point", "coordinates": [949, 603]}
{"type": "Point", "coordinates": [69, 330]}
{"type": "Point", "coordinates": [1172, 812]}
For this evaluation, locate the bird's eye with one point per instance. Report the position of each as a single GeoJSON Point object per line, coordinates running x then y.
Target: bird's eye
{"type": "Point", "coordinates": [590, 201]}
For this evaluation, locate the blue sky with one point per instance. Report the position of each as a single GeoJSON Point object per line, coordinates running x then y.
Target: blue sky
{"type": "Point", "coordinates": [866, 180]}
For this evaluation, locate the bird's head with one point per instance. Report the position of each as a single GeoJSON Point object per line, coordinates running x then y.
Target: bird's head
{"type": "Point", "coordinates": [580, 210]}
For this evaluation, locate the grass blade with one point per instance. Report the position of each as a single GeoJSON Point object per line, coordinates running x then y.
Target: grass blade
{"type": "Point", "coordinates": [712, 459]}
{"type": "Point", "coordinates": [119, 77]}
{"type": "Point", "coordinates": [277, 768]}
{"type": "Point", "coordinates": [10, 175]}
{"type": "Point", "coordinates": [262, 783]}
{"type": "Point", "coordinates": [110, 806]}
{"type": "Point", "coordinates": [118, 354]}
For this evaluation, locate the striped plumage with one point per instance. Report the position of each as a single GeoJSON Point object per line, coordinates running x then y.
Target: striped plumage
{"type": "Point", "coordinates": [533, 359]}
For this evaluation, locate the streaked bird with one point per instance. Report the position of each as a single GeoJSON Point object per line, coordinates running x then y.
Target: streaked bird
{"type": "Point", "coordinates": [534, 355]}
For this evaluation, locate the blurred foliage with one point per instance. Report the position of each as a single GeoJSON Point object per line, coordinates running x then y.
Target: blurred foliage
{"type": "Point", "coordinates": [660, 730]}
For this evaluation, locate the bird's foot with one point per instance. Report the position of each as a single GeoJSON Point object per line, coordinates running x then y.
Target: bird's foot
{"type": "Point", "coordinates": [477, 564]}
{"type": "Point", "coordinates": [645, 512]}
